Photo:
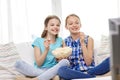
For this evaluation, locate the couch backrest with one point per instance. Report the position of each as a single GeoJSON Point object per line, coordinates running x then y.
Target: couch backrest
{"type": "Point", "coordinates": [26, 51]}
{"type": "Point", "coordinates": [101, 50]}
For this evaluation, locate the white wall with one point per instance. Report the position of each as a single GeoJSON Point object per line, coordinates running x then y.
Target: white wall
{"type": "Point", "coordinates": [94, 14]}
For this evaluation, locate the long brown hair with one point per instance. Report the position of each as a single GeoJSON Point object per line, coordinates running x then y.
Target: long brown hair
{"type": "Point", "coordinates": [44, 33]}
{"type": "Point", "coordinates": [70, 16]}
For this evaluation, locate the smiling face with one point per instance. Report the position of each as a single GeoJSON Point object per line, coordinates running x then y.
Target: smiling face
{"type": "Point", "coordinates": [73, 24]}
{"type": "Point", "coordinates": [53, 26]}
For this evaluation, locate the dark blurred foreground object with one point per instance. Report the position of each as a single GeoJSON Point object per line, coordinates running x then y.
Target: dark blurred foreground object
{"type": "Point", "coordinates": [114, 28]}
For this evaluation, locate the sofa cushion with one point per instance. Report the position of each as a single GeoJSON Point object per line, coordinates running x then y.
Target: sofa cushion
{"type": "Point", "coordinates": [97, 78]}
{"type": "Point", "coordinates": [8, 57]}
{"type": "Point", "coordinates": [103, 49]}
{"type": "Point", "coordinates": [26, 52]}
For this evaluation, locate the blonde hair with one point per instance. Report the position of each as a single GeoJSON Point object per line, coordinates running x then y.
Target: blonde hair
{"type": "Point", "coordinates": [44, 33]}
{"type": "Point", "coordinates": [70, 16]}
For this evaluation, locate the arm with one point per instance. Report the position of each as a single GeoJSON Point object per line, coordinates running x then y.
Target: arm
{"type": "Point", "coordinates": [40, 58]}
{"type": "Point", "coordinates": [63, 44]}
{"type": "Point", "coordinates": [87, 50]}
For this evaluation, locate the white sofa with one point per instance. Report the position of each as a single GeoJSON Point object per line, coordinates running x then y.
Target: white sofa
{"type": "Point", "coordinates": [97, 78]}
{"type": "Point", "coordinates": [26, 53]}
{"type": "Point", "coordinates": [9, 54]}
{"type": "Point", "coordinates": [101, 50]}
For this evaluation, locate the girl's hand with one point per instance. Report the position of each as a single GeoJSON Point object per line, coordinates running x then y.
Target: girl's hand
{"type": "Point", "coordinates": [47, 44]}
{"type": "Point", "coordinates": [82, 37]}
{"type": "Point", "coordinates": [58, 59]}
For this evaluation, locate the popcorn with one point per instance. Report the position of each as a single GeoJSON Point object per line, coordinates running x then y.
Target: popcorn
{"type": "Point", "coordinates": [62, 52]}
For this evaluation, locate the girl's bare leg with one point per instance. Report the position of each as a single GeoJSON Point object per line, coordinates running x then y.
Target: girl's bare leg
{"type": "Point", "coordinates": [25, 78]}
{"type": "Point", "coordinates": [56, 78]}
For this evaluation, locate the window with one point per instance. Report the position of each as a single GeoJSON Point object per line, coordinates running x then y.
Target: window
{"type": "Point", "coordinates": [20, 19]}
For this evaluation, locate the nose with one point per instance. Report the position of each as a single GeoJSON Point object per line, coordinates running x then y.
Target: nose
{"type": "Point", "coordinates": [56, 27]}
{"type": "Point", "coordinates": [74, 25]}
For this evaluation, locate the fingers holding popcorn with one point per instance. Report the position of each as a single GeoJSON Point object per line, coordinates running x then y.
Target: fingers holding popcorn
{"type": "Point", "coordinates": [47, 43]}
{"type": "Point", "coordinates": [82, 37]}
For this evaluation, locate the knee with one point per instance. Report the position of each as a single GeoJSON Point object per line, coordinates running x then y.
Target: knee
{"type": "Point", "coordinates": [18, 63]}
{"type": "Point", "coordinates": [61, 70]}
{"type": "Point", "coordinates": [64, 62]}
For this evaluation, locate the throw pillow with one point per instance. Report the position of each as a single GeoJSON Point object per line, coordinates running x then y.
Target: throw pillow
{"type": "Point", "coordinates": [8, 57]}
{"type": "Point", "coordinates": [103, 50]}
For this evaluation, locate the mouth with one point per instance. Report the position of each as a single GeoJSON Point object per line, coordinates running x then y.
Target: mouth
{"type": "Point", "coordinates": [55, 30]}
{"type": "Point", "coordinates": [75, 29]}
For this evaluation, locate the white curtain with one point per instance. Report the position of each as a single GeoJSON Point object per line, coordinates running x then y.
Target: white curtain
{"type": "Point", "coordinates": [22, 20]}
{"type": "Point", "coordinates": [3, 21]}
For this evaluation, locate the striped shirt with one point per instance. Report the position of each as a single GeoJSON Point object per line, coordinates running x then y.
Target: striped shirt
{"type": "Point", "coordinates": [76, 59]}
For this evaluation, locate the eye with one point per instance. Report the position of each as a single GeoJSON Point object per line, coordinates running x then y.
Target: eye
{"type": "Point", "coordinates": [52, 25]}
{"type": "Point", "coordinates": [77, 22]}
{"type": "Point", "coordinates": [70, 23]}
{"type": "Point", "coordinates": [58, 25]}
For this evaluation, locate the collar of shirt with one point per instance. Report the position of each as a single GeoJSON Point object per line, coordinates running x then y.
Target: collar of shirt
{"type": "Point", "coordinates": [75, 43]}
